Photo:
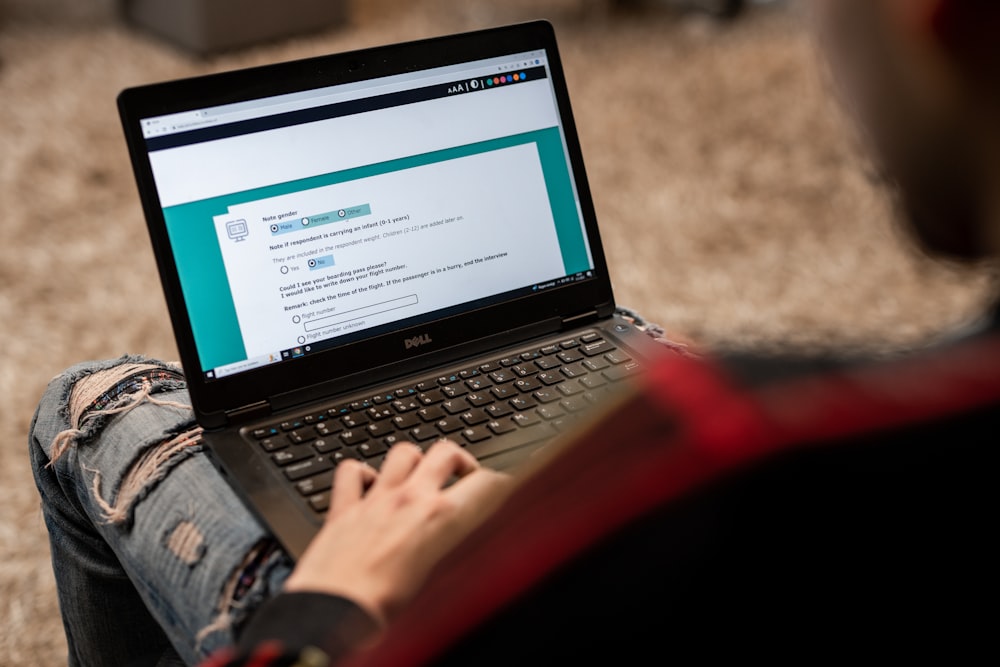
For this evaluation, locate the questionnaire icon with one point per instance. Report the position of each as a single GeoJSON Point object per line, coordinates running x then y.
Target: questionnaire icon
{"type": "Point", "coordinates": [237, 229]}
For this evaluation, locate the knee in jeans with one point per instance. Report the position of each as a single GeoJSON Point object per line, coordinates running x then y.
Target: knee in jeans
{"type": "Point", "coordinates": [95, 395]}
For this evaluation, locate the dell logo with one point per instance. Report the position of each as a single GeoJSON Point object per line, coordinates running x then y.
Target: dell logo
{"type": "Point", "coordinates": [417, 341]}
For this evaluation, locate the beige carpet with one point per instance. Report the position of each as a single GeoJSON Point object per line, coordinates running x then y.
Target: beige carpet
{"type": "Point", "coordinates": [734, 207]}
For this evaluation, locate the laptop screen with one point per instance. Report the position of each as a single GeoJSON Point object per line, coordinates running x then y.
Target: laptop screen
{"type": "Point", "coordinates": [308, 220]}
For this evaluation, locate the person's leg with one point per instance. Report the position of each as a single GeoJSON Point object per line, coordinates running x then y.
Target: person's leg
{"type": "Point", "coordinates": [151, 550]}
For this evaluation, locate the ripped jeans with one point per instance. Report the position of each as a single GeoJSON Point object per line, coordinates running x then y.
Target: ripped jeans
{"type": "Point", "coordinates": [155, 558]}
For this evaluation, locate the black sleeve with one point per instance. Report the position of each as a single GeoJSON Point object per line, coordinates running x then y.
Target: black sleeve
{"type": "Point", "coordinates": [291, 625]}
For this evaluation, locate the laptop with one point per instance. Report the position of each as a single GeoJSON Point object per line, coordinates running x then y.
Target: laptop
{"type": "Point", "coordinates": [363, 248]}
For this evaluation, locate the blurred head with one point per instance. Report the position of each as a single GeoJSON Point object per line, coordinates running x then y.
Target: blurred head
{"type": "Point", "coordinates": [922, 80]}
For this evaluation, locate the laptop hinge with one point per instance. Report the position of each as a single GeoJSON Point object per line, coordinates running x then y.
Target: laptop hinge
{"type": "Point", "coordinates": [575, 319]}
{"type": "Point", "coordinates": [248, 412]}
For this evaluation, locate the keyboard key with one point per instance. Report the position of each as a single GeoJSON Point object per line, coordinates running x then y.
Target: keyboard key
{"type": "Point", "coordinates": [406, 404]}
{"type": "Point", "coordinates": [523, 402]}
{"type": "Point", "coordinates": [503, 391]}
{"type": "Point", "coordinates": [320, 502]}
{"type": "Point", "coordinates": [547, 395]}
{"type": "Point", "coordinates": [403, 422]}
{"type": "Point", "coordinates": [391, 440]}
{"type": "Point", "coordinates": [498, 410]}
{"type": "Point", "coordinates": [573, 370]}
{"type": "Point", "coordinates": [502, 426]}
{"type": "Point", "coordinates": [432, 413]}
{"type": "Point", "coordinates": [455, 406]}
{"type": "Point", "coordinates": [526, 418]}
{"type": "Point", "coordinates": [308, 468]}
{"type": "Point", "coordinates": [569, 356]}
{"type": "Point", "coordinates": [477, 433]}
{"type": "Point", "coordinates": [550, 378]}
{"type": "Point", "coordinates": [326, 445]}
{"type": "Point", "coordinates": [288, 456]}
{"type": "Point", "coordinates": [617, 357]}
{"type": "Point", "coordinates": [478, 383]}
{"type": "Point", "coordinates": [353, 437]}
{"type": "Point", "coordinates": [475, 416]}
{"type": "Point", "coordinates": [454, 390]}
{"type": "Point", "coordinates": [301, 435]}
{"type": "Point", "coordinates": [327, 428]}
{"type": "Point", "coordinates": [378, 412]}
{"type": "Point", "coordinates": [548, 363]}
{"type": "Point", "coordinates": [430, 397]}
{"type": "Point", "coordinates": [597, 347]}
{"type": "Point", "coordinates": [550, 411]}
{"type": "Point", "coordinates": [339, 411]}
{"type": "Point", "coordinates": [574, 404]}
{"type": "Point", "coordinates": [355, 420]}
{"type": "Point", "coordinates": [315, 484]}
{"type": "Point", "coordinates": [345, 453]}
{"type": "Point", "coordinates": [273, 444]}
{"type": "Point", "coordinates": [527, 384]}
{"type": "Point", "coordinates": [570, 388]}
{"type": "Point", "coordinates": [478, 400]}
{"type": "Point", "coordinates": [380, 429]}
{"type": "Point", "coordinates": [622, 371]}
{"type": "Point", "coordinates": [595, 364]}
{"type": "Point", "coordinates": [423, 433]}
{"type": "Point", "coordinates": [450, 424]}
{"type": "Point", "coordinates": [503, 375]}
{"type": "Point", "coordinates": [371, 448]}
{"type": "Point", "coordinates": [524, 370]}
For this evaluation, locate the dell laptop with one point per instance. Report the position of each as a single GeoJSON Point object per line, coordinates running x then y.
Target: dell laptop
{"type": "Point", "coordinates": [393, 244]}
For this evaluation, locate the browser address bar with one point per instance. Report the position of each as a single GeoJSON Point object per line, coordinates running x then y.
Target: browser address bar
{"type": "Point", "coordinates": [274, 106]}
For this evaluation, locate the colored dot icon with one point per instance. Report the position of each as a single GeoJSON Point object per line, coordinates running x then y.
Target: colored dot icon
{"type": "Point", "coordinates": [506, 78]}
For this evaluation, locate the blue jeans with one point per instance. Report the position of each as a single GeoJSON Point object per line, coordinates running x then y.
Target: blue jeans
{"type": "Point", "coordinates": [156, 560]}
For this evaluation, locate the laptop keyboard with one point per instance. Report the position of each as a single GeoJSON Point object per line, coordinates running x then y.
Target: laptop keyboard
{"type": "Point", "coordinates": [488, 408]}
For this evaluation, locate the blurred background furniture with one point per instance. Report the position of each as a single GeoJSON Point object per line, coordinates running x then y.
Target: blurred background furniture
{"type": "Point", "coordinates": [210, 26]}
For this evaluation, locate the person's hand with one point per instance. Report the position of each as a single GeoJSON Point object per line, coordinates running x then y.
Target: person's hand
{"type": "Point", "coordinates": [386, 531]}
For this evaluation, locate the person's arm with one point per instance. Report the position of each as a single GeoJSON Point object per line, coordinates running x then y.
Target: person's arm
{"type": "Point", "coordinates": [383, 535]}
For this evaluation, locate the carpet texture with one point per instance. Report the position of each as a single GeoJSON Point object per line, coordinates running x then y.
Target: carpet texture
{"type": "Point", "coordinates": [735, 206]}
